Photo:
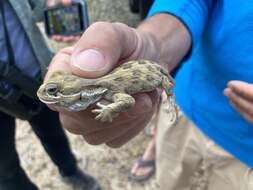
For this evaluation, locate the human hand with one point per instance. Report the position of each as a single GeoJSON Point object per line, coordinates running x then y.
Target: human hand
{"type": "Point", "coordinates": [66, 39]}
{"type": "Point", "coordinates": [101, 48]}
{"type": "Point", "coordinates": [54, 2]}
{"type": "Point", "coordinates": [240, 95]}
{"type": "Point", "coordinates": [61, 38]}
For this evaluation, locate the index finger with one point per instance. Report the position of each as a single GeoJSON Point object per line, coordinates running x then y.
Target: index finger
{"type": "Point", "coordinates": [60, 62]}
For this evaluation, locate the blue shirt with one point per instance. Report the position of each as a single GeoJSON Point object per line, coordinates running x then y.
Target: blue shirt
{"type": "Point", "coordinates": [23, 54]}
{"type": "Point", "coordinates": [222, 35]}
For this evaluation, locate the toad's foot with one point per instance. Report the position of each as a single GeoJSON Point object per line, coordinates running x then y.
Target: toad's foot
{"type": "Point", "coordinates": [105, 113]}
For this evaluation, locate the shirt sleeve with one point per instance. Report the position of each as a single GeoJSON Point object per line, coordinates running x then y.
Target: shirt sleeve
{"type": "Point", "coordinates": [192, 13]}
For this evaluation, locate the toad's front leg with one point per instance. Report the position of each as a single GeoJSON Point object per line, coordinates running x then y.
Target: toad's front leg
{"type": "Point", "coordinates": [121, 102]}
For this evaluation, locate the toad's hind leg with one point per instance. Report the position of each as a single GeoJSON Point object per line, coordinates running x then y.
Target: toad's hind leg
{"type": "Point", "coordinates": [167, 85]}
{"type": "Point", "coordinates": [121, 102]}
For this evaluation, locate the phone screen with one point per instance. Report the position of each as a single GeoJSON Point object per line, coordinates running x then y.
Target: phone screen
{"type": "Point", "coordinates": [64, 20]}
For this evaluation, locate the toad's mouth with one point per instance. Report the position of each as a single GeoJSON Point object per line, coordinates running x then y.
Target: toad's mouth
{"type": "Point", "coordinates": [55, 99]}
{"type": "Point", "coordinates": [48, 101]}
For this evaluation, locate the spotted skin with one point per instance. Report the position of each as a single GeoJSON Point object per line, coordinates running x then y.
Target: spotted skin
{"type": "Point", "coordinates": [75, 93]}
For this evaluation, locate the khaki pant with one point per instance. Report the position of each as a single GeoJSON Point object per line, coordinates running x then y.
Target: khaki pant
{"type": "Point", "coordinates": [188, 160]}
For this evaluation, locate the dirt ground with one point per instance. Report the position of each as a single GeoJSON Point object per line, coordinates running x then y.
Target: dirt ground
{"type": "Point", "coordinates": [109, 166]}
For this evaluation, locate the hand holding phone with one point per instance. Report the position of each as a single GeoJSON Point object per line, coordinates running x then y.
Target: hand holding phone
{"type": "Point", "coordinates": [66, 20]}
{"type": "Point", "coordinates": [54, 2]}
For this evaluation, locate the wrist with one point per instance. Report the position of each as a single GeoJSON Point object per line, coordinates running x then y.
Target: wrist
{"type": "Point", "coordinates": [171, 37]}
{"type": "Point", "coordinates": [148, 46]}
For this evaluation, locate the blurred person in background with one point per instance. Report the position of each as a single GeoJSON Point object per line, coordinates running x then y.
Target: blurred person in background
{"type": "Point", "coordinates": [25, 56]}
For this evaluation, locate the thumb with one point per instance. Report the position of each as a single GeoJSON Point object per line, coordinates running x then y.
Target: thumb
{"type": "Point", "coordinates": [102, 47]}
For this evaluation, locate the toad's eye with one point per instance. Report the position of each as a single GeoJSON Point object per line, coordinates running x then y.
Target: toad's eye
{"type": "Point", "coordinates": [52, 89]}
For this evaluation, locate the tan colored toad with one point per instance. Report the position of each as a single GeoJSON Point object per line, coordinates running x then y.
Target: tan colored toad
{"type": "Point", "coordinates": [75, 93]}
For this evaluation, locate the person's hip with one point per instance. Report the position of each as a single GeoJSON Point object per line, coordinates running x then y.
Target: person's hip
{"type": "Point", "coordinates": [187, 159]}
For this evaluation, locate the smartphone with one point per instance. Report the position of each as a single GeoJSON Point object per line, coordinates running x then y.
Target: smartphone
{"type": "Point", "coordinates": [66, 20]}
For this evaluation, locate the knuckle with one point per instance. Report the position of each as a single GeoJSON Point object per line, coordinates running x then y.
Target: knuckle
{"type": "Point", "coordinates": [73, 130]}
{"type": "Point", "coordinates": [102, 26]}
{"type": "Point", "coordinates": [66, 50]}
{"type": "Point", "coordinates": [249, 118]}
{"type": "Point", "coordinates": [114, 144]}
{"type": "Point", "coordinates": [68, 125]}
{"type": "Point", "coordinates": [62, 118]}
{"type": "Point", "coordinates": [99, 24]}
{"type": "Point", "coordinates": [250, 110]}
{"type": "Point", "coordinates": [61, 57]}
{"type": "Point", "coordinates": [92, 140]}
{"type": "Point", "coordinates": [119, 24]}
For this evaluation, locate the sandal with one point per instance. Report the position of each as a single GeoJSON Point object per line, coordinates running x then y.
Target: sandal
{"type": "Point", "coordinates": [144, 163]}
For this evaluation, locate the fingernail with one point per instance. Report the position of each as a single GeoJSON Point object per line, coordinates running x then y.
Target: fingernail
{"type": "Point", "coordinates": [89, 60]}
{"type": "Point", "coordinates": [227, 92]}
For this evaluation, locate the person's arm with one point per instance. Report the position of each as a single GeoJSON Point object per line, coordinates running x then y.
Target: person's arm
{"type": "Point", "coordinates": [170, 31]}
{"type": "Point", "coordinates": [170, 35]}
{"type": "Point", "coordinates": [162, 38]}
